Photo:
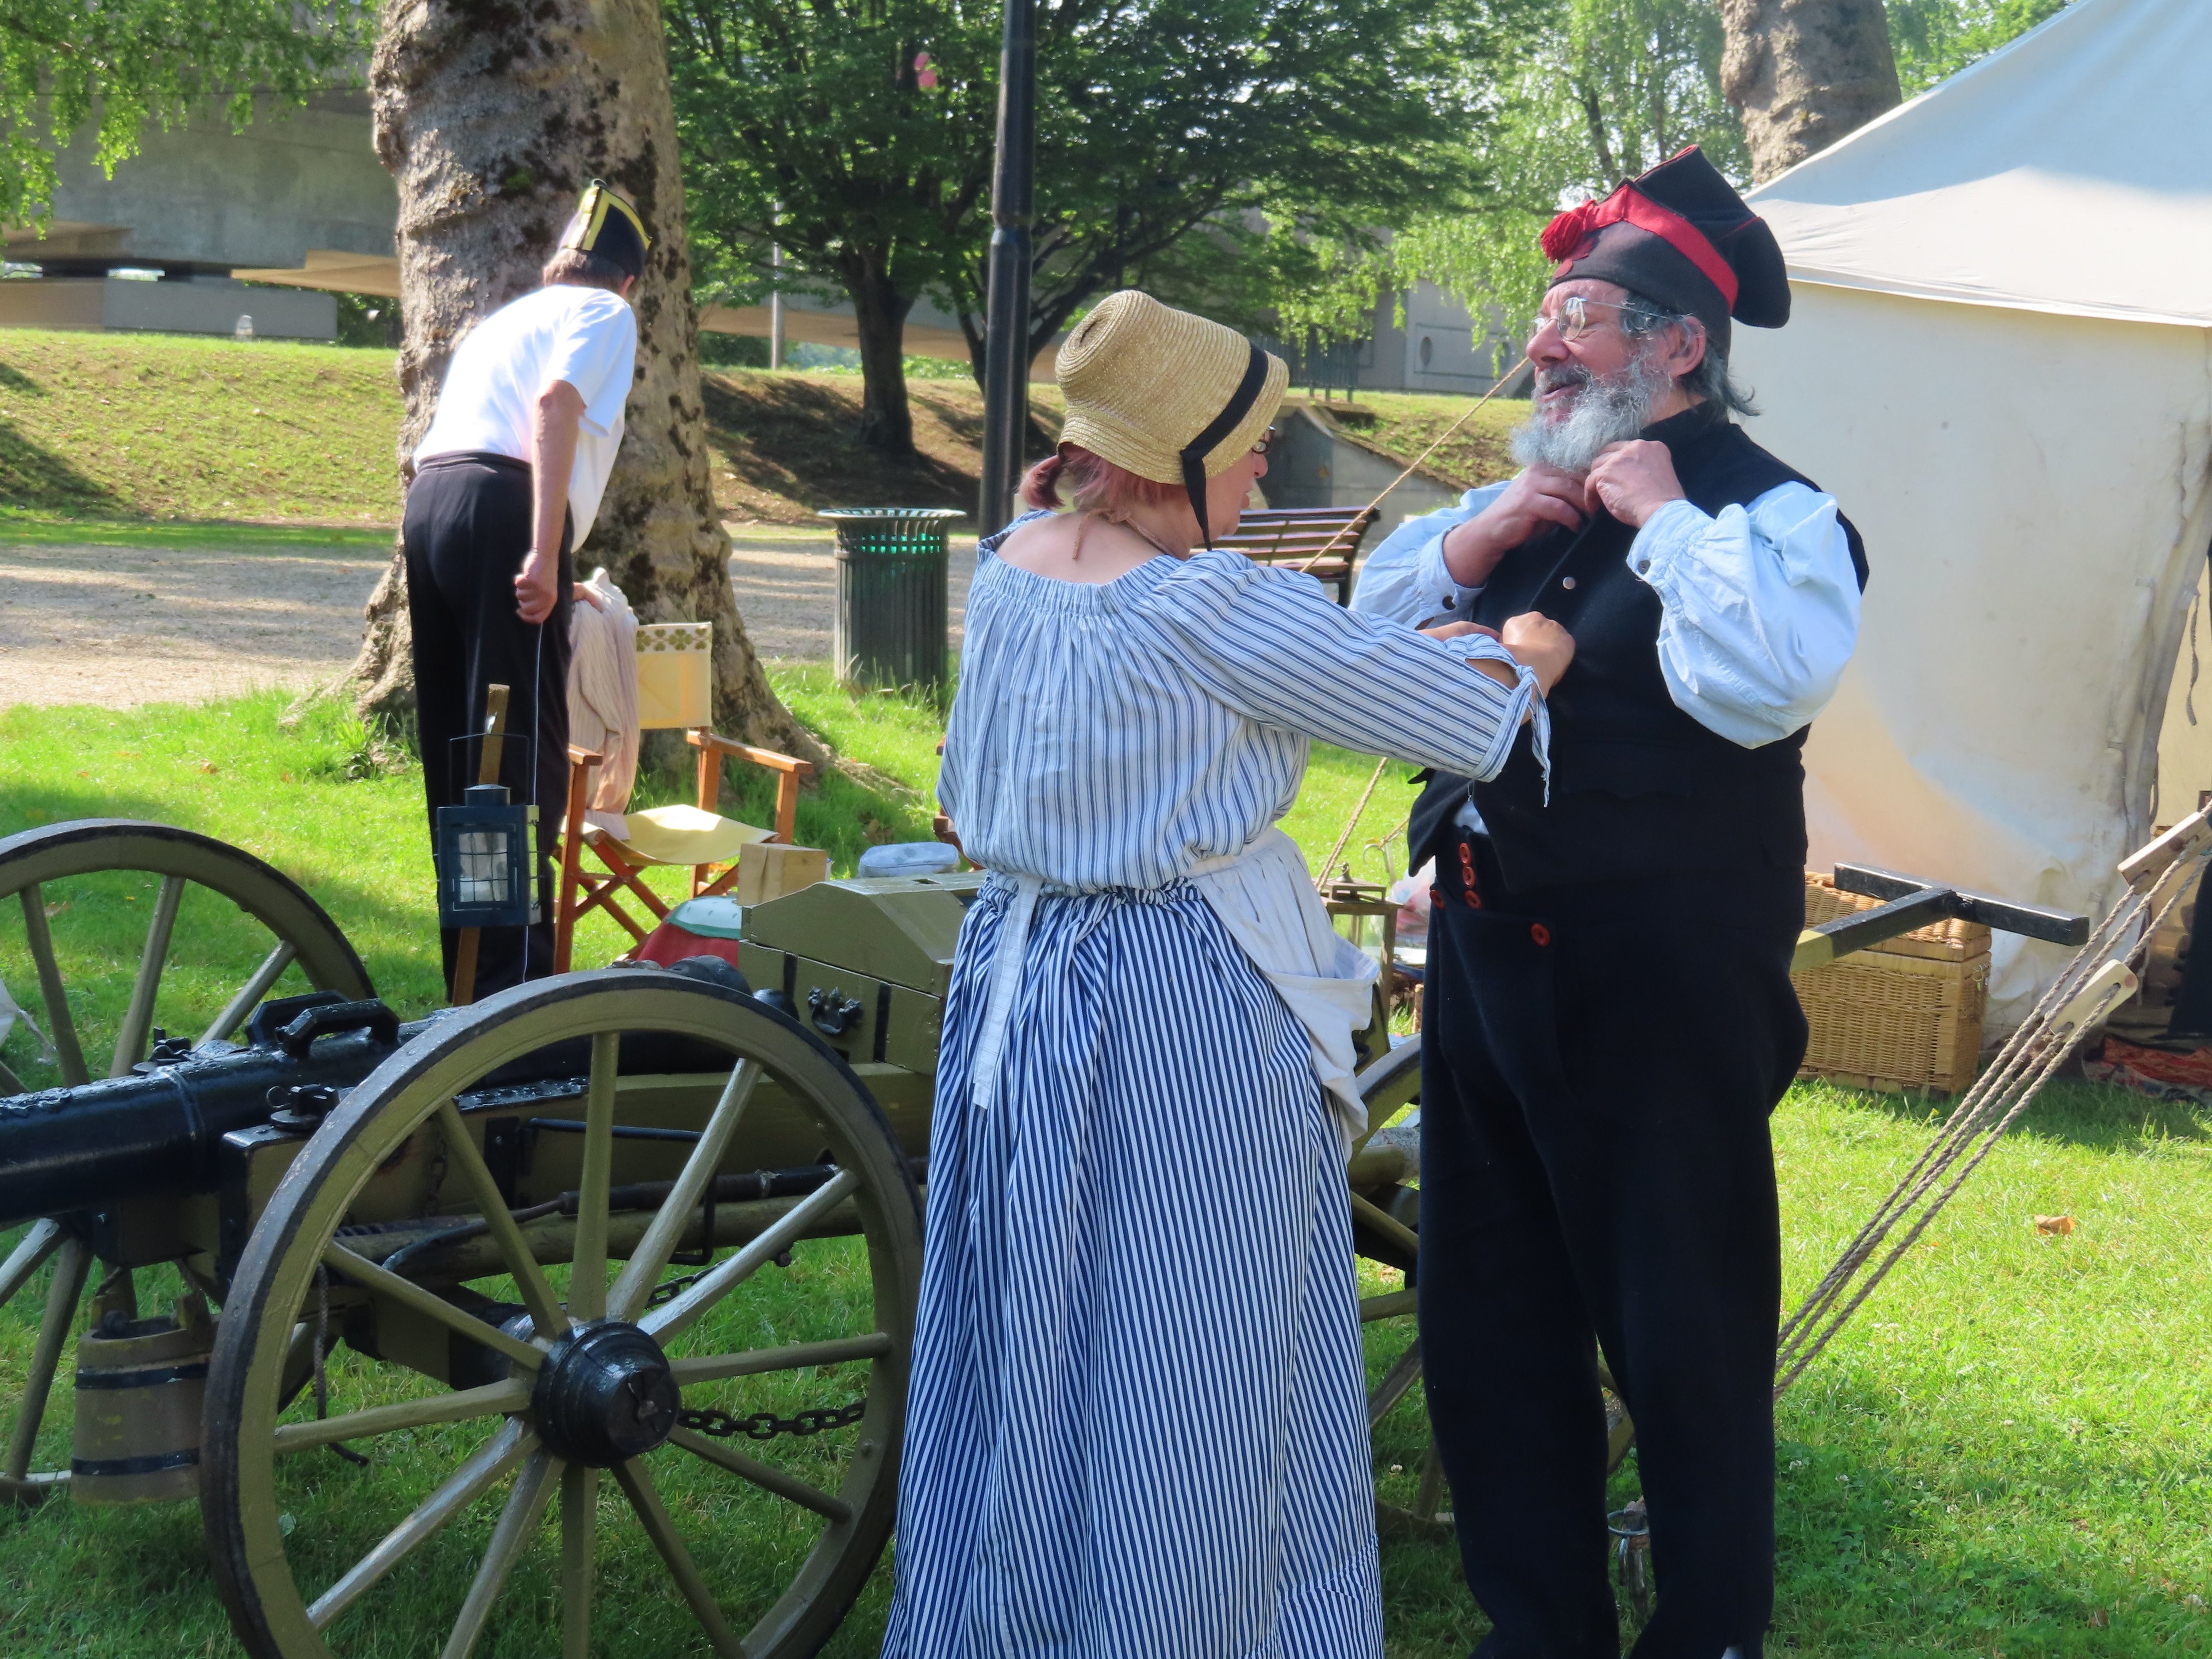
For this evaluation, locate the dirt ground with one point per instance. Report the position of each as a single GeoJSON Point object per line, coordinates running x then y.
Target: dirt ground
{"type": "Point", "coordinates": [117, 627]}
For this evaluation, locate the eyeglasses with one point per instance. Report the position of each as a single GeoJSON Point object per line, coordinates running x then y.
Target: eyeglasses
{"type": "Point", "coordinates": [1574, 321]}
{"type": "Point", "coordinates": [1266, 438]}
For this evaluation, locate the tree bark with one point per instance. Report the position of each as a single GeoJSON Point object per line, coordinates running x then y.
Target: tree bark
{"type": "Point", "coordinates": [492, 115]}
{"type": "Point", "coordinates": [880, 312]}
{"type": "Point", "coordinates": [1802, 73]}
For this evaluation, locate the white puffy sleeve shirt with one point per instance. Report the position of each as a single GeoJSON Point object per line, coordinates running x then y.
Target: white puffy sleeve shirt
{"type": "Point", "coordinates": [1759, 604]}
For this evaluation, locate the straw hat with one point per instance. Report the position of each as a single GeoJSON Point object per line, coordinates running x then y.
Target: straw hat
{"type": "Point", "coordinates": [1145, 384]}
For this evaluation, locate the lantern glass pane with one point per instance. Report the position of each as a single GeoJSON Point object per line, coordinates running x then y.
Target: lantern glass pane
{"type": "Point", "coordinates": [483, 876]}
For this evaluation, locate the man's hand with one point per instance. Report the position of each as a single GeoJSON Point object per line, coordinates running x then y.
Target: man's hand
{"type": "Point", "coordinates": [1538, 643]}
{"type": "Point", "coordinates": [536, 587]}
{"type": "Point", "coordinates": [1539, 498]}
{"type": "Point", "coordinates": [1633, 480]}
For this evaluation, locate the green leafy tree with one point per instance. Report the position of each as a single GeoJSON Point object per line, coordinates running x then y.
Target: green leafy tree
{"type": "Point", "coordinates": [125, 64]}
{"type": "Point", "coordinates": [1934, 40]}
{"type": "Point", "coordinates": [1595, 91]}
{"type": "Point", "coordinates": [1206, 147]}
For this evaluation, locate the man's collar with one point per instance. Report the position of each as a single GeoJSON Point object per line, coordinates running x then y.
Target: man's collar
{"type": "Point", "coordinates": [1678, 431]}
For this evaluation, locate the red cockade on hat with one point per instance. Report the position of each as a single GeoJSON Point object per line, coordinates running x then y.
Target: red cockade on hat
{"type": "Point", "coordinates": [1564, 238]}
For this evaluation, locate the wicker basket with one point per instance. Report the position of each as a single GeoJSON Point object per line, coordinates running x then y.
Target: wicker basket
{"type": "Point", "coordinates": [1905, 1014]}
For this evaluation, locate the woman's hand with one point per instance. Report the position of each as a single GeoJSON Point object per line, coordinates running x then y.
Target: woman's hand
{"type": "Point", "coordinates": [1453, 630]}
{"type": "Point", "coordinates": [1540, 644]}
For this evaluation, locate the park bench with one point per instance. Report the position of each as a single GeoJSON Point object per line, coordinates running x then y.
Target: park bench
{"type": "Point", "coordinates": [1291, 535]}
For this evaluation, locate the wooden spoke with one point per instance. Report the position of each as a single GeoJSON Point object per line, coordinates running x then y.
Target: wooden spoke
{"type": "Point", "coordinates": [637, 1485]}
{"type": "Point", "coordinates": [59, 1026]}
{"type": "Point", "coordinates": [678, 1317]}
{"type": "Point", "coordinates": [363, 1272]}
{"type": "Point", "coordinates": [538, 1296]}
{"type": "Point", "coordinates": [1395, 1382]}
{"type": "Point", "coordinates": [138, 1018]}
{"type": "Point", "coordinates": [587, 1276]}
{"type": "Point", "coordinates": [580, 1517]}
{"type": "Point", "coordinates": [492, 1399]}
{"type": "Point", "coordinates": [513, 1443]}
{"type": "Point", "coordinates": [712, 1368]}
{"type": "Point", "coordinates": [250, 994]}
{"type": "Point", "coordinates": [667, 1232]}
{"type": "Point", "coordinates": [518, 1524]}
{"type": "Point", "coordinates": [1389, 1306]}
{"type": "Point", "coordinates": [762, 1474]}
{"type": "Point", "coordinates": [72, 1262]}
{"type": "Point", "coordinates": [38, 1242]}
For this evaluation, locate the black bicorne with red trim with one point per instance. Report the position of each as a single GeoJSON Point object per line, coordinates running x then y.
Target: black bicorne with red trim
{"type": "Point", "coordinates": [1680, 235]}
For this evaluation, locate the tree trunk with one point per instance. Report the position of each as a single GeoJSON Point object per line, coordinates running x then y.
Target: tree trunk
{"type": "Point", "coordinates": [1802, 73]}
{"type": "Point", "coordinates": [879, 311]}
{"type": "Point", "coordinates": [492, 117]}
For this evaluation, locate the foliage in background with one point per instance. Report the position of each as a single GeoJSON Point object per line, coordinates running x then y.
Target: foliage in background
{"type": "Point", "coordinates": [127, 65]}
{"type": "Point", "coordinates": [1936, 39]}
{"type": "Point", "coordinates": [1596, 91]}
{"type": "Point", "coordinates": [1589, 93]}
{"type": "Point", "coordinates": [859, 134]}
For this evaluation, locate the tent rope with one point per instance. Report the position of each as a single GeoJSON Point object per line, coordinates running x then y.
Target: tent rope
{"type": "Point", "coordinates": [1349, 824]}
{"type": "Point", "coordinates": [2094, 981]}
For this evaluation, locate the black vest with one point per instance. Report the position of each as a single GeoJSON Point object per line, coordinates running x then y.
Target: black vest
{"type": "Point", "coordinates": [1638, 787]}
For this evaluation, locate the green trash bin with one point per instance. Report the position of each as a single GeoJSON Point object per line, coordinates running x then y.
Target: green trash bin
{"type": "Point", "coordinates": [889, 631]}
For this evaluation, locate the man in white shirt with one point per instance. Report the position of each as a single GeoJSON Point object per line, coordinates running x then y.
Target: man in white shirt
{"type": "Point", "coordinates": [1609, 1018]}
{"type": "Point", "coordinates": [506, 483]}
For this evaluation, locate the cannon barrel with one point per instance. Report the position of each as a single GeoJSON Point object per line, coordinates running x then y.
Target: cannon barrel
{"type": "Point", "coordinates": [153, 1133]}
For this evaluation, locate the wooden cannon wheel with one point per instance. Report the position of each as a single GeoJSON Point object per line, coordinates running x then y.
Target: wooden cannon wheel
{"type": "Point", "coordinates": [265, 923]}
{"type": "Point", "coordinates": [1385, 1228]}
{"type": "Point", "coordinates": [597, 1385]}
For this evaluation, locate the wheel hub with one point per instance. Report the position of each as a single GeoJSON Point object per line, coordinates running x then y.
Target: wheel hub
{"type": "Point", "coordinates": [604, 1394]}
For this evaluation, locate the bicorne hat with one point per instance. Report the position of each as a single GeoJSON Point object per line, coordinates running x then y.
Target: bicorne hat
{"type": "Point", "coordinates": [1680, 236]}
{"type": "Point", "coordinates": [607, 225]}
{"type": "Point", "coordinates": [1166, 394]}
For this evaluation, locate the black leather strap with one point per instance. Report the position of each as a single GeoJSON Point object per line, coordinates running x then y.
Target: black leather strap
{"type": "Point", "coordinates": [1194, 453]}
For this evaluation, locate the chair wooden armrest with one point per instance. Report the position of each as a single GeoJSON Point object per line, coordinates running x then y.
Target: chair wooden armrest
{"type": "Point", "coordinates": [713, 747]}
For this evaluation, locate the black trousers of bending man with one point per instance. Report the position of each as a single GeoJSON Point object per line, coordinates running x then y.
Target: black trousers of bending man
{"type": "Point", "coordinates": [467, 531]}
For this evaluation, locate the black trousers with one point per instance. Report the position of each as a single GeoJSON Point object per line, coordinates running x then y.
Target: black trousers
{"type": "Point", "coordinates": [466, 533]}
{"type": "Point", "coordinates": [1598, 1065]}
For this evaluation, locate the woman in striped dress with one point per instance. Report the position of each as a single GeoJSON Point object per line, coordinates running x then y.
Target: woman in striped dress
{"type": "Point", "coordinates": [1136, 1423]}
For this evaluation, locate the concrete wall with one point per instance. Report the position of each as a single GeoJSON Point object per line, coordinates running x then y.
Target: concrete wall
{"type": "Point", "coordinates": [1440, 348]}
{"type": "Point", "coordinates": [205, 305]}
{"type": "Point", "coordinates": [202, 199]}
{"type": "Point", "coordinates": [1312, 465]}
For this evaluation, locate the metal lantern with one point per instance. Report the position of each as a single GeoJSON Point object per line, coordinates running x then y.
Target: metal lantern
{"type": "Point", "coordinates": [484, 860]}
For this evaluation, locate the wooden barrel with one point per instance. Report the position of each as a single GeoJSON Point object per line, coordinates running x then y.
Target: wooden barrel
{"type": "Point", "coordinates": [889, 626]}
{"type": "Point", "coordinates": [139, 1397]}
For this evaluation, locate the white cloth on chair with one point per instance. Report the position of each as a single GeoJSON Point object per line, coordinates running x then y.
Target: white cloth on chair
{"type": "Point", "coordinates": [603, 689]}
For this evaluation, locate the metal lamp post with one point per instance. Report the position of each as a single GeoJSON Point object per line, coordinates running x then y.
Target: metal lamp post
{"type": "Point", "coordinates": [1006, 306]}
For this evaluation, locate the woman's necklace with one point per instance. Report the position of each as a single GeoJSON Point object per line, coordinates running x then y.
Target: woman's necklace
{"type": "Point", "coordinates": [1153, 542]}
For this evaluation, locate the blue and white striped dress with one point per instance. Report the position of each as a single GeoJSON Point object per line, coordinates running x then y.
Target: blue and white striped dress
{"type": "Point", "coordinates": [1136, 1427]}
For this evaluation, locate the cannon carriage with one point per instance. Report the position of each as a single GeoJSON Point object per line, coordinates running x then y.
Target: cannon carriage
{"type": "Point", "coordinates": [639, 1247]}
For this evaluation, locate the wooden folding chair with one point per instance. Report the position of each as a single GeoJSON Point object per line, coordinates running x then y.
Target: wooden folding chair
{"type": "Point", "coordinates": [674, 692]}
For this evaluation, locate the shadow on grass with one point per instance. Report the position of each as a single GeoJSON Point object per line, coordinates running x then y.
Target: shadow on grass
{"type": "Point", "coordinates": [2069, 1110]}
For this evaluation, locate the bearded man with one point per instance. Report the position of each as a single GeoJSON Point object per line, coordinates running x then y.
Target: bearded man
{"type": "Point", "coordinates": [1609, 1018]}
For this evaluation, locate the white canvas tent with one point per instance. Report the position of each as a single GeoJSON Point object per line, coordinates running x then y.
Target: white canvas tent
{"type": "Point", "coordinates": [2000, 362]}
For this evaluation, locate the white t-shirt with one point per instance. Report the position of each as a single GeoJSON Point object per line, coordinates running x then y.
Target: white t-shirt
{"type": "Point", "coordinates": [584, 336]}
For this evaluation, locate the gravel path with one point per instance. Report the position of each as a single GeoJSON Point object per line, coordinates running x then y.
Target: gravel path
{"type": "Point", "coordinates": [120, 626]}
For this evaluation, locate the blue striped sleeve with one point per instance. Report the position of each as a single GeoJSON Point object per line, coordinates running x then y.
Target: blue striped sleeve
{"type": "Point", "coordinates": [1270, 645]}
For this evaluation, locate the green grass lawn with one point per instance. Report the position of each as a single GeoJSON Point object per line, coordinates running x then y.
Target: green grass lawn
{"type": "Point", "coordinates": [2009, 1452]}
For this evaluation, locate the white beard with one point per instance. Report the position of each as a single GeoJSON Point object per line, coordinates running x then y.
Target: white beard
{"type": "Point", "coordinates": [1607, 412]}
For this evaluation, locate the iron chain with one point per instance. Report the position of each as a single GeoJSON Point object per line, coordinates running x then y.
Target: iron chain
{"type": "Point", "coordinates": [766, 1426]}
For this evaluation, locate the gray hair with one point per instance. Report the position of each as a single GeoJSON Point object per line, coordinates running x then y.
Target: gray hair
{"type": "Point", "coordinates": [1642, 318]}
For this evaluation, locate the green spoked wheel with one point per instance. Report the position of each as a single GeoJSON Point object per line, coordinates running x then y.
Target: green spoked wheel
{"type": "Point", "coordinates": [109, 928]}
{"type": "Point", "coordinates": [567, 1448]}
